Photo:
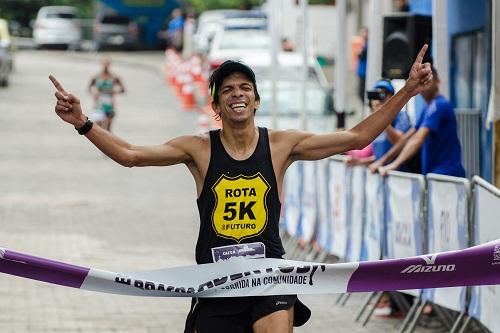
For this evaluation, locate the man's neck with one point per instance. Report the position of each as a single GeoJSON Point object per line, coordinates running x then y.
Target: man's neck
{"type": "Point", "coordinates": [240, 140]}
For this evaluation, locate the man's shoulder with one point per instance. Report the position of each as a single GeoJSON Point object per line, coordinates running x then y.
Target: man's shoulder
{"type": "Point", "coordinates": [279, 135]}
{"type": "Point", "coordinates": [194, 140]}
{"type": "Point", "coordinates": [442, 103]}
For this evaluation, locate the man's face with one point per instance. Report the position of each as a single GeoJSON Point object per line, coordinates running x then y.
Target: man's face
{"type": "Point", "coordinates": [375, 104]}
{"type": "Point", "coordinates": [236, 98]}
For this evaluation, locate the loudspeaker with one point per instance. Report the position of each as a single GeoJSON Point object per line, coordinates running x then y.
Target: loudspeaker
{"type": "Point", "coordinates": [404, 35]}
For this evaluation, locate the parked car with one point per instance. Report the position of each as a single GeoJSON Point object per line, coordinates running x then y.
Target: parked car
{"type": "Point", "coordinates": [57, 25]}
{"type": "Point", "coordinates": [5, 53]}
{"type": "Point", "coordinates": [235, 44]}
{"type": "Point", "coordinates": [210, 21]}
{"type": "Point", "coordinates": [321, 116]}
{"type": "Point", "coordinates": [290, 66]}
{"type": "Point", "coordinates": [112, 30]}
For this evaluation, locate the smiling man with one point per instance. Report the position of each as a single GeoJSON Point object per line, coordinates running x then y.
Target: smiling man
{"type": "Point", "coordinates": [239, 171]}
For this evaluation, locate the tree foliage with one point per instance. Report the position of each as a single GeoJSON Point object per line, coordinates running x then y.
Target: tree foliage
{"type": "Point", "coordinates": [23, 11]}
{"type": "Point", "coordinates": [202, 5]}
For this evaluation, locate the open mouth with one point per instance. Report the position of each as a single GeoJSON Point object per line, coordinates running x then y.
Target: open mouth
{"type": "Point", "coordinates": [238, 107]}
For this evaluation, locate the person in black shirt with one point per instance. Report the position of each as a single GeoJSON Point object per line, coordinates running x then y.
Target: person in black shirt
{"type": "Point", "coordinates": [239, 173]}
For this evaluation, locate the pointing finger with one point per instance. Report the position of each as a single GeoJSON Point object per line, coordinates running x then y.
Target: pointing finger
{"type": "Point", "coordinates": [420, 56]}
{"type": "Point", "coordinates": [60, 96]}
{"type": "Point", "coordinates": [56, 83]}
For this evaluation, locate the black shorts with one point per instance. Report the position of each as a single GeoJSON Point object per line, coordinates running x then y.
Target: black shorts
{"type": "Point", "coordinates": [238, 314]}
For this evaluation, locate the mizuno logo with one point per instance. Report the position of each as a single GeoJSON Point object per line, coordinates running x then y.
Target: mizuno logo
{"type": "Point", "coordinates": [429, 266]}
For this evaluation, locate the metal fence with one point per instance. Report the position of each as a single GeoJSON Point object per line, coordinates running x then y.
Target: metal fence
{"type": "Point", "coordinates": [469, 133]}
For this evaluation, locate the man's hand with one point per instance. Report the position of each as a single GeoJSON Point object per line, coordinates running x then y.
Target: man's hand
{"type": "Point", "coordinates": [351, 161]}
{"type": "Point", "coordinates": [420, 74]}
{"type": "Point", "coordinates": [68, 106]}
{"type": "Point", "coordinates": [383, 170]}
{"type": "Point", "coordinates": [374, 166]}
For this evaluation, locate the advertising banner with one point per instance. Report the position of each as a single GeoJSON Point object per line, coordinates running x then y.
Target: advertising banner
{"type": "Point", "coordinates": [447, 229]}
{"type": "Point", "coordinates": [373, 233]}
{"type": "Point", "coordinates": [337, 189]}
{"type": "Point", "coordinates": [485, 301]}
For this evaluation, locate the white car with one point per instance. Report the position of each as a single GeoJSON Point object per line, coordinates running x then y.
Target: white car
{"type": "Point", "coordinates": [236, 44]}
{"type": "Point", "coordinates": [321, 117]}
{"type": "Point", "coordinates": [290, 66]}
{"type": "Point", "coordinates": [57, 25]}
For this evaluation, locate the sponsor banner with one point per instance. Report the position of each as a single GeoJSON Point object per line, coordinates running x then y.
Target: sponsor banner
{"type": "Point", "coordinates": [404, 199]}
{"type": "Point", "coordinates": [323, 236]}
{"type": "Point", "coordinates": [356, 213]}
{"type": "Point", "coordinates": [485, 301]}
{"type": "Point", "coordinates": [258, 277]}
{"type": "Point", "coordinates": [308, 214]}
{"type": "Point", "coordinates": [373, 232]}
{"type": "Point", "coordinates": [292, 201]}
{"type": "Point", "coordinates": [448, 202]}
{"type": "Point", "coordinates": [337, 193]}
{"type": "Point", "coordinates": [404, 195]}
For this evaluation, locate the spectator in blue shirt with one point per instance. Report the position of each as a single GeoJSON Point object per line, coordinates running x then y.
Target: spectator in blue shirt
{"type": "Point", "coordinates": [436, 135]}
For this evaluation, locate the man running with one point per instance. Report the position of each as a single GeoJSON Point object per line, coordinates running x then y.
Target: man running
{"type": "Point", "coordinates": [103, 87]}
{"type": "Point", "coordinates": [239, 171]}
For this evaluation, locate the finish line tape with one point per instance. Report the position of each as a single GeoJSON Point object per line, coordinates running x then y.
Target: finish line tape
{"type": "Point", "coordinates": [479, 265]}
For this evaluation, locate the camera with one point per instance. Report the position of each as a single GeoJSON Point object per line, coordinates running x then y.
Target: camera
{"type": "Point", "coordinates": [378, 94]}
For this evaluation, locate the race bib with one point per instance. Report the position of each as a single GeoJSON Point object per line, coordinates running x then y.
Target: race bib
{"type": "Point", "coordinates": [255, 250]}
{"type": "Point", "coordinates": [240, 206]}
{"type": "Point", "coordinates": [105, 99]}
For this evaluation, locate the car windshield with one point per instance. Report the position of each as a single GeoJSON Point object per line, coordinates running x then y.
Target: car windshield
{"type": "Point", "coordinates": [61, 15]}
{"type": "Point", "coordinates": [245, 39]}
{"type": "Point", "coordinates": [115, 19]}
{"type": "Point", "coordinates": [288, 98]}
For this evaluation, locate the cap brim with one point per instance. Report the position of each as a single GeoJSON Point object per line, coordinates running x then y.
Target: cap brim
{"type": "Point", "coordinates": [233, 67]}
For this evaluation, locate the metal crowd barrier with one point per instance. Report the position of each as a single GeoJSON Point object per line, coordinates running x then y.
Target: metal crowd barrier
{"type": "Point", "coordinates": [333, 212]}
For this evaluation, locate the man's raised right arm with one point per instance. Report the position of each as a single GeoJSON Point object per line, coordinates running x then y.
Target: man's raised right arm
{"type": "Point", "coordinates": [175, 151]}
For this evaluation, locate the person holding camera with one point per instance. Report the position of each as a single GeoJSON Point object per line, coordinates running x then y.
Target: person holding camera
{"type": "Point", "coordinates": [434, 138]}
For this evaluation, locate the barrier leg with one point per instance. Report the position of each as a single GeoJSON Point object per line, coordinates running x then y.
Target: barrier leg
{"type": "Point", "coordinates": [409, 315]}
{"type": "Point", "coordinates": [377, 299]}
{"type": "Point", "coordinates": [416, 317]}
{"type": "Point", "coordinates": [321, 256]}
{"type": "Point", "coordinates": [457, 322]}
{"type": "Point", "coordinates": [444, 315]}
{"type": "Point", "coordinates": [400, 301]}
{"type": "Point", "coordinates": [365, 305]}
{"type": "Point", "coordinates": [339, 298]}
{"type": "Point", "coordinates": [346, 298]}
{"type": "Point", "coordinates": [305, 253]}
{"type": "Point", "coordinates": [466, 324]}
{"type": "Point", "coordinates": [290, 244]}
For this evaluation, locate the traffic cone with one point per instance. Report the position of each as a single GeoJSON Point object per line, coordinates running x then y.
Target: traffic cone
{"type": "Point", "coordinates": [188, 101]}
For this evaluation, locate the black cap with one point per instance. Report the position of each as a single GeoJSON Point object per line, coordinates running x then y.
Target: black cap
{"type": "Point", "coordinates": [224, 70]}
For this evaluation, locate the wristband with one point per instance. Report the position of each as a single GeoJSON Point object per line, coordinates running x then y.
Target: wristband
{"type": "Point", "coordinates": [85, 128]}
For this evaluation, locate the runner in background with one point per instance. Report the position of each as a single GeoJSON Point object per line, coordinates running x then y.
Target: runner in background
{"type": "Point", "coordinates": [103, 87]}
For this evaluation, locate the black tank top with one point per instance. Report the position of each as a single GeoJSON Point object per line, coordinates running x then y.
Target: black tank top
{"type": "Point", "coordinates": [239, 201]}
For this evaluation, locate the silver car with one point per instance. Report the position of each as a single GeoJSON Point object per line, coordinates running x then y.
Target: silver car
{"type": "Point", "coordinates": [57, 25]}
{"type": "Point", "coordinates": [112, 30]}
